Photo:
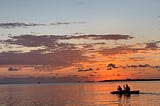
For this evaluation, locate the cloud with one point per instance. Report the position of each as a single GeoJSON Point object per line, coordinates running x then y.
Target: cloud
{"type": "Point", "coordinates": [111, 66]}
{"type": "Point", "coordinates": [63, 54]}
{"type": "Point", "coordinates": [53, 53]}
{"type": "Point", "coordinates": [13, 69]}
{"type": "Point", "coordinates": [51, 40]}
{"type": "Point", "coordinates": [60, 23]}
{"type": "Point", "coordinates": [60, 58]}
{"type": "Point", "coordinates": [118, 50]}
{"type": "Point", "coordinates": [33, 41]}
{"type": "Point", "coordinates": [102, 37]}
{"type": "Point", "coordinates": [140, 66]}
{"type": "Point", "coordinates": [67, 23]}
{"type": "Point", "coordinates": [18, 24]}
{"type": "Point", "coordinates": [24, 25]}
{"type": "Point", "coordinates": [84, 70]}
{"type": "Point", "coordinates": [125, 49]}
{"type": "Point", "coordinates": [111, 37]}
{"type": "Point", "coordinates": [56, 53]}
{"type": "Point", "coordinates": [152, 45]}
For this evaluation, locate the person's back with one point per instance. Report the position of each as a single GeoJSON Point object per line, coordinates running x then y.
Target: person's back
{"type": "Point", "coordinates": [119, 89]}
{"type": "Point", "coordinates": [127, 89]}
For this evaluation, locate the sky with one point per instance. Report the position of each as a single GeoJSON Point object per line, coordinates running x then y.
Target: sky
{"type": "Point", "coordinates": [79, 40]}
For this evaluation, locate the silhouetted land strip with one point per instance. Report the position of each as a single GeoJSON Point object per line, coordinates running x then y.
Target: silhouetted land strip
{"type": "Point", "coordinates": [130, 80]}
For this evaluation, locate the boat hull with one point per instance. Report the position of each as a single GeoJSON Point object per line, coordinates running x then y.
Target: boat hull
{"type": "Point", "coordinates": [123, 92]}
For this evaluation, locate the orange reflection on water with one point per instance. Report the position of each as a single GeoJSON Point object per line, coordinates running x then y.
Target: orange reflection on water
{"type": "Point", "coordinates": [79, 94]}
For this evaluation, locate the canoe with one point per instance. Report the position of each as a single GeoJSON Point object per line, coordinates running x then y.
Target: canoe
{"type": "Point", "coordinates": [123, 92]}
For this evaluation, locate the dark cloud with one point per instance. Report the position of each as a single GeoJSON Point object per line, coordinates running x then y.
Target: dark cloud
{"type": "Point", "coordinates": [60, 58]}
{"type": "Point", "coordinates": [61, 23]}
{"type": "Point", "coordinates": [112, 37]}
{"type": "Point", "coordinates": [13, 69]}
{"type": "Point", "coordinates": [34, 41]}
{"type": "Point", "coordinates": [51, 40]}
{"type": "Point", "coordinates": [102, 37]}
{"type": "Point", "coordinates": [140, 66]}
{"type": "Point", "coordinates": [152, 45]}
{"type": "Point", "coordinates": [18, 24]}
{"type": "Point", "coordinates": [84, 70]}
{"type": "Point", "coordinates": [143, 66]}
{"type": "Point", "coordinates": [111, 66]}
{"type": "Point", "coordinates": [54, 53]}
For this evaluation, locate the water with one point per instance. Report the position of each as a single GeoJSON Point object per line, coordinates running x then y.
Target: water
{"type": "Point", "coordinates": [79, 94]}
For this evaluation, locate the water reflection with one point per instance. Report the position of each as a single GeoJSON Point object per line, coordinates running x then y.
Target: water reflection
{"type": "Point", "coordinates": [124, 100]}
{"type": "Point", "coordinates": [76, 94]}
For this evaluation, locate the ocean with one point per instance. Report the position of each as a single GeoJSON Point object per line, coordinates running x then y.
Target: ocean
{"type": "Point", "coordinates": [79, 94]}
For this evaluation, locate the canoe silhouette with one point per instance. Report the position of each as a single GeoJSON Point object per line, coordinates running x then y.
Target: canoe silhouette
{"type": "Point", "coordinates": [124, 92]}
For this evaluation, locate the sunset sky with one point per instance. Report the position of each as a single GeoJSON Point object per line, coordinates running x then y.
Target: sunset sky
{"type": "Point", "coordinates": [79, 40]}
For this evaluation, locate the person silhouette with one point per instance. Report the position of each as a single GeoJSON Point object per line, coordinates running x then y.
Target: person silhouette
{"type": "Point", "coordinates": [127, 89]}
{"type": "Point", "coordinates": [119, 89]}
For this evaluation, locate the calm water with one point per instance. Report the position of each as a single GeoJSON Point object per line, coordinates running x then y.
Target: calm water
{"type": "Point", "coordinates": [79, 94]}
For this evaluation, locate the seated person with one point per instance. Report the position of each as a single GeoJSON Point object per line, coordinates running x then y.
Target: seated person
{"type": "Point", "coordinates": [127, 89]}
{"type": "Point", "coordinates": [119, 88]}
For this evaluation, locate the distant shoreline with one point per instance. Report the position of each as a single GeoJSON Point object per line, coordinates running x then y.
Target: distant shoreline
{"type": "Point", "coordinates": [53, 82]}
{"type": "Point", "coordinates": [130, 80]}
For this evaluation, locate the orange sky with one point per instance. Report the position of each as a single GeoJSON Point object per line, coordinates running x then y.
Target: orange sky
{"type": "Point", "coordinates": [130, 61]}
